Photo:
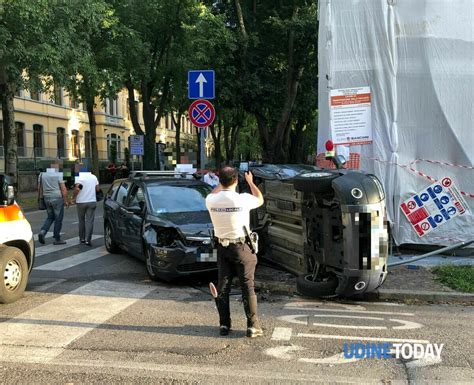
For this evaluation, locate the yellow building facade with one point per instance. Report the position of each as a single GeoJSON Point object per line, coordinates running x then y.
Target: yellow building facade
{"type": "Point", "coordinates": [53, 126]}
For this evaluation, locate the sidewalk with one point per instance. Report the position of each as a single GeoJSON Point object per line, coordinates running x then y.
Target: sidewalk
{"type": "Point", "coordinates": [414, 283]}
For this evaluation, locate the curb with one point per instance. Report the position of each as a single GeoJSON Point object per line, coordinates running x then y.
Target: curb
{"type": "Point", "coordinates": [436, 297]}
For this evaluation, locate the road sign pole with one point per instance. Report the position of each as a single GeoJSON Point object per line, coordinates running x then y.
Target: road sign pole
{"type": "Point", "coordinates": [202, 159]}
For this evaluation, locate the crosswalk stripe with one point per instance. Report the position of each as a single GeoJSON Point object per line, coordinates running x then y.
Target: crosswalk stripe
{"type": "Point", "coordinates": [57, 323]}
{"type": "Point", "coordinates": [43, 250]}
{"type": "Point", "coordinates": [74, 260]}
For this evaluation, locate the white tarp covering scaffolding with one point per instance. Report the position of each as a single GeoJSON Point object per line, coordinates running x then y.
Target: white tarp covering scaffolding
{"type": "Point", "coordinates": [417, 58]}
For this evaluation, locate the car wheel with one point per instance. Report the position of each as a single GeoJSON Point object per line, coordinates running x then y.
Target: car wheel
{"type": "Point", "coordinates": [315, 182]}
{"type": "Point", "coordinates": [110, 244]}
{"type": "Point", "coordinates": [149, 267]}
{"type": "Point", "coordinates": [14, 274]}
{"type": "Point", "coordinates": [324, 288]}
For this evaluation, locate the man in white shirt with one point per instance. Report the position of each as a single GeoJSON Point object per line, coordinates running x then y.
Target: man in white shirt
{"type": "Point", "coordinates": [211, 179]}
{"type": "Point", "coordinates": [84, 195]}
{"type": "Point", "coordinates": [230, 213]}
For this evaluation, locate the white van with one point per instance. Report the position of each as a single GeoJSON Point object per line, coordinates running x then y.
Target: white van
{"type": "Point", "coordinates": [17, 248]}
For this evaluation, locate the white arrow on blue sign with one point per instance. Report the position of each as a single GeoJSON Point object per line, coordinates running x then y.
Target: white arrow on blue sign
{"type": "Point", "coordinates": [201, 84]}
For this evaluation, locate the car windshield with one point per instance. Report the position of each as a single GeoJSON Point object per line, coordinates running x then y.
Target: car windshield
{"type": "Point", "coordinates": [178, 199]}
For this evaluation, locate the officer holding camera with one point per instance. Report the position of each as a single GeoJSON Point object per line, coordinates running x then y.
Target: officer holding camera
{"type": "Point", "coordinates": [230, 215]}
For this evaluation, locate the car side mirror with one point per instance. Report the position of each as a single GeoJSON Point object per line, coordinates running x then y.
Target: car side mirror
{"type": "Point", "coordinates": [339, 161]}
{"type": "Point", "coordinates": [135, 210]}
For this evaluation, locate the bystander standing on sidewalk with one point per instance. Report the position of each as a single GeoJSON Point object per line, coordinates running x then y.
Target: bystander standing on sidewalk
{"type": "Point", "coordinates": [52, 187]}
{"type": "Point", "coordinates": [84, 195]}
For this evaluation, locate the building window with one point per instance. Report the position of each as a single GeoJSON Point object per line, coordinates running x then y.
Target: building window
{"type": "Point", "coordinates": [111, 106]}
{"type": "Point", "coordinates": [75, 144]}
{"type": "Point", "coordinates": [87, 144]}
{"type": "Point", "coordinates": [57, 95]}
{"type": "Point", "coordinates": [61, 142]}
{"type": "Point", "coordinates": [73, 103]}
{"type": "Point", "coordinates": [34, 95]}
{"type": "Point", "coordinates": [20, 138]}
{"type": "Point", "coordinates": [114, 141]}
{"type": "Point", "coordinates": [38, 139]}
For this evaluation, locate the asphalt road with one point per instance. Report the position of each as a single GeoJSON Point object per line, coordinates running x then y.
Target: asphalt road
{"type": "Point", "coordinates": [90, 316]}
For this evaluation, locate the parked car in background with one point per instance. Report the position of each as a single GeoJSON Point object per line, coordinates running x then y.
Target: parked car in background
{"type": "Point", "coordinates": [161, 218]}
{"type": "Point", "coordinates": [17, 248]}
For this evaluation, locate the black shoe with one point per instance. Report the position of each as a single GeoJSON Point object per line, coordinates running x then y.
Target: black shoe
{"type": "Point", "coordinates": [59, 242]}
{"type": "Point", "coordinates": [41, 238]}
{"type": "Point", "coordinates": [87, 243]}
{"type": "Point", "coordinates": [83, 241]}
{"type": "Point", "coordinates": [224, 330]}
{"type": "Point", "coordinates": [253, 332]}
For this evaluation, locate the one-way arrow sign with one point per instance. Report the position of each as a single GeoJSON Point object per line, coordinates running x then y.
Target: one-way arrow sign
{"type": "Point", "coordinates": [201, 84]}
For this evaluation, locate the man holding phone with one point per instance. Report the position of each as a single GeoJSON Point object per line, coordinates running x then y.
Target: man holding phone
{"type": "Point", "coordinates": [230, 215]}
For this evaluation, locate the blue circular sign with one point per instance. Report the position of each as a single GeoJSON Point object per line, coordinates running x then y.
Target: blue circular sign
{"type": "Point", "coordinates": [424, 197]}
{"type": "Point", "coordinates": [438, 218]}
{"type": "Point", "coordinates": [444, 200]}
{"type": "Point", "coordinates": [437, 189]}
{"type": "Point", "coordinates": [452, 210]}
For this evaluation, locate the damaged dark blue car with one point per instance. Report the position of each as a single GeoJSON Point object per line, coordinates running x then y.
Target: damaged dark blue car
{"type": "Point", "coordinates": [161, 218]}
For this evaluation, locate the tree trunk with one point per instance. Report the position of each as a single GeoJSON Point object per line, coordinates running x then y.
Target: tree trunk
{"type": "Point", "coordinates": [93, 128]}
{"type": "Point", "coordinates": [177, 124]}
{"type": "Point", "coordinates": [9, 131]}
{"type": "Point", "coordinates": [149, 157]}
{"type": "Point", "coordinates": [296, 145]}
{"type": "Point", "coordinates": [216, 138]}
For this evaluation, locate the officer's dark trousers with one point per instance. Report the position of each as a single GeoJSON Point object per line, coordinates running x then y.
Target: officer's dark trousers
{"type": "Point", "coordinates": [236, 260]}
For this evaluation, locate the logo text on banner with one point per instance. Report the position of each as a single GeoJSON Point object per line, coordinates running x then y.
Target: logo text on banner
{"type": "Point", "coordinates": [434, 206]}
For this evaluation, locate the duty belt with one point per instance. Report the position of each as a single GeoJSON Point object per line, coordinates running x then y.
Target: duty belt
{"type": "Point", "coordinates": [227, 241]}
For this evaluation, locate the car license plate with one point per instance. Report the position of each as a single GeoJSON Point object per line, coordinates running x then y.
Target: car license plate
{"type": "Point", "coordinates": [208, 257]}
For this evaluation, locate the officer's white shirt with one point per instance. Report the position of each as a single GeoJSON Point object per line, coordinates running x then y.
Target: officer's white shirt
{"type": "Point", "coordinates": [230, 212]}
{"type": "Point", "coordinates": [88, 181]}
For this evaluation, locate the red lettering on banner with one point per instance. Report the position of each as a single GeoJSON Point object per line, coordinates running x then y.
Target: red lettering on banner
{"type": "Point", "coordinates": [405, 208]}
{"type": "Point", "coordinates": [459, 207]}
{"type": "Point", "coordinates": [419, 230]}
{"type": "Point", "coordinates": [418, 215]}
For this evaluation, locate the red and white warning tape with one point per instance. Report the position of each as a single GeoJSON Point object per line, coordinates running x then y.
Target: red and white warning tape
{"type": "Point", "coordinates": [419, 173]}
{"type": "Point", "coordinates": [442, 163]}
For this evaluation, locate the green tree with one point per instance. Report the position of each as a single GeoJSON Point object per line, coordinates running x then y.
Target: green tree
{"type": "Point", "coordinates": [93, 70]}
{"type": "Point", "coordinates": [275, 40]}
{"type": "Point", "coordinates": [150, 31]}
{"type": "Point", "coordinates": [31, 42]}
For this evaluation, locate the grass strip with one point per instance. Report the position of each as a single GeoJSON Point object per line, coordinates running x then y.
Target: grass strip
{"type": "Point", "coordinates": [460, 278]}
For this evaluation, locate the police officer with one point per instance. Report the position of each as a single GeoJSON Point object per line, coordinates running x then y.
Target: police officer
{"type": "Point", "coordinates": [229, 213]}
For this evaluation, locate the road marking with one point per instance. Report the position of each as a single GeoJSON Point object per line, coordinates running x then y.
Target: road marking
{"type": "Point", "coordinates": [43, 250]}
{"type": "Point", "coordinates": [406, 325]}
{"type": "Point", "coordinates": [336, 359]}
{"type": "Point", "coordinates": [359, 311]}
{"type": "Point", "coordinates": [48, 285]}
{"type": "Point", "coordinates": [281, 334]}
{"type": "Point", "coordinates": [282, 352]}
{"type": "Point", "coordinates": [293, 319]}
{"type": "Point", "coordinates": [357, 338]}
{"type": "Point", "coordinates": [423, 362]}
{"type": "Point", "coordinates": [57, 323]}
{"type": "Point", "coordinates": [314, 306]}
{"type": "Point", "coordinates": [74, 260]}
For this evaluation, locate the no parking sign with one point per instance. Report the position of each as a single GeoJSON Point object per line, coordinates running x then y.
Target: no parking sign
{"type": "Point", "coordinates": [434, 206]}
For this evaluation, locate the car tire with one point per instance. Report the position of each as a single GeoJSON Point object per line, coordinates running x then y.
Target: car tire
{"type": "Point", "coordinates": [14, 274]}
{"type": "Point", "coordinates": [149, 267]}
{"type": "Point", "coordinates": [110, 244]}
{"type": "Point", "coordinates": [315, 182]}
{"type": "Point", "coordinates": [325, 288]}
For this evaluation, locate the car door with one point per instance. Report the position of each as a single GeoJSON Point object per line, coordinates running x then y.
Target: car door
{"type": "Point", "coordinates": [120, 226]}
{"type": "Point", "coordinates": [133, 219]}
{"type": "Point", "coordinates": [111, 209]}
